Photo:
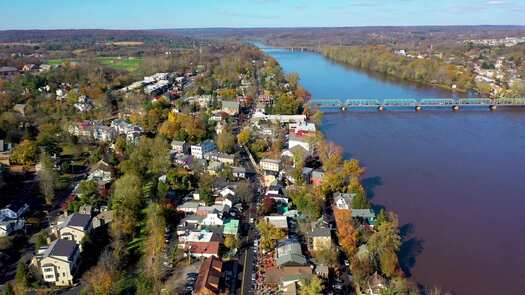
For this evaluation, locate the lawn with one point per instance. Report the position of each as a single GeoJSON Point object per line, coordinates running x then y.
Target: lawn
{"type": "Point", "coordinates": [129, 64]}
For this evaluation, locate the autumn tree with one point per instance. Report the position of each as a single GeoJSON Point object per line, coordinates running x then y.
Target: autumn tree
{"type": "Point", "coordinates": [225, 141]}
{"type": "Point", "coordinates": [330, 155]}
{"type": "Point", "coordinates": [244, 136]}
{"type": "Point", "coordinates": [25, 153]}
{"type": "Point", "coordinates": [21, 278]}
{"type": "Point", "coordinates": [231, 242]}
{"type": "Point", "coordinates": [47, 178]}
{"type": "Point", "coordinates": [346, 233]}
{"type": "Point", "coordinates": [101, 279]}
{"type": "Point", "coordinates": [313, 286]}
{"type": "Point", "coordinates": [269, 234]}
{"type": "Point", "coordinates": [155, 244]}
{"type": "Point", "coordinates": [384, 245]}
{"type": "Point", "coordinates": [245, 191]}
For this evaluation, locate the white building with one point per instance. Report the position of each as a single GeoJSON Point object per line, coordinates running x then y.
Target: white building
{"type": "Point", "coordinates": [58, 262]}
{"type": "Point", "coordinates": [198, 150]}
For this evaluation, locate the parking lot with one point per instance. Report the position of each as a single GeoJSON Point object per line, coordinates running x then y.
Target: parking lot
{"type": "Point", "coordinates": [183, 279]}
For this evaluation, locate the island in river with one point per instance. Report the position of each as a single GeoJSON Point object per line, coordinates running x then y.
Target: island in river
{"type": "Point", "coordinates": [455, 179]}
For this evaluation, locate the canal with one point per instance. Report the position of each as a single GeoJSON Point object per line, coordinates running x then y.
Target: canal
{"type": "Point", "coordinates": [456, 180]}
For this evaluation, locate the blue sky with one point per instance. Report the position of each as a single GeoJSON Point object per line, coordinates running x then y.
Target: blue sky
{"type": "Point", "coordinates": [142, 14]}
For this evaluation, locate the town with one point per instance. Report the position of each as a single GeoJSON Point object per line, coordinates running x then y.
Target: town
{"type": "Point", "coordinates": [207, 177]}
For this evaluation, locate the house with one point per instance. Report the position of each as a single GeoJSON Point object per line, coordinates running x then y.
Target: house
{"type": "Point", "coordinates": [270, 165]}
{"type": "Point", "coordinates": [180, 147]}
{"type": "Point", "coordinates": [11, 218]}
{"type": "Point", "coordinates": [210, 274]}
{"type": "Point", "coordinates": [58, 262]}
{"type": "Point", "coordinates": [375, 284]}
{"type": "Point", "coordinates": [320, 239]}
{"type": "Point", "coordinates": [231, 227]}
{"type": "Point", "coordinates": [14, 210]}
{"type": "Point", "coordinates": [317, 177]}
{"type": "Point", "coordinates": [189, 207]}
{"type": "Point", "coordinates": [102, 218]}
{"type": "Point", "coordinates": [224, 201]}
{"type": "Point", "coordinates": [343, 201]}
{"type": "Point", "coordinates": [101, 172]}
{"type": "Point", "coordinates": [239, 172]}
{"type": "Point", "coordinates": [4, 147]}
{"type": "Point", "coordinates": [188, 224]}
{"type": "Point", "coordinates": [230, 107]}
{"type": "Point", "coordinates": [202, 249]}
{"type": "Point", "coordinates": [83, 104]}
{"type": "Point", "coordinates": [289, 253]}
{"type": "Point", "coordinates": [302, 141]}
{"type": "Point", "coordinates": [213, 219]}
{"type": "Point", "coordinates": [280, 222]}
{"type": "Point", "coordinates": [7, 72]}
{"type": "Point", "coordinates": [198, 150]}
{"type": "Point", "coordinates": [132, 132]}
{"type": "Point", "coordinates": [84, 128]}
{"type": "Point", "coordinates": [103, 133]}
{"type": "Point", "coordinates": [197, 236]}
{"type": "Point", "coordinates": [214, 168]}
{"type": "Point", "coordinates": [366, 214]}
{"type": "Point", "coordinates": [75, 228]}
{"type": "Point", "coordinates": [226, 158]}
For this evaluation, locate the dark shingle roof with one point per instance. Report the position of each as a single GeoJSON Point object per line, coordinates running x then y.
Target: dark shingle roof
{"type": "Point", "coordinates": [63, 248]}
{"type": "Point", "coordinates": [80, 220]}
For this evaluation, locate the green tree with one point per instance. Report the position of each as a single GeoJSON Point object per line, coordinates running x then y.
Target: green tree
{"type": "Point", "coordinates": [8, 290]}
{"type": "Point", "coordinates": [245, 191]}
{"type": "Point", "coordinates": [313, 286]}
{"type": "Point", "coordinates": [25, 153]}
{"type": "Point", "coordinates": [21, 278]}
{"type": "Point", "coordinates": [155, 245]}
{"type": "Point", "coordinates": [88, 193]}
{"type": "Point", "coordinates": [127, 203]}
{"type": "Point", "coordinates": [384, 245]}
{"type": "Point", "coordinates": [317, 117]}
{"type": "Point", "coordinates": [206, 188]}
{"type": "Point", "coordinates": [47, 178]}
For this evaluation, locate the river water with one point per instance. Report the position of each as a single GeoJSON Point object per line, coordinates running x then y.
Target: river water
{"type": "Point", "coordinates": [456, 180]}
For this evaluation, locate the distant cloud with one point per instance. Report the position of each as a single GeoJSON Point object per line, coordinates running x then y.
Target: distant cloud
{"type": "Point", "coordinates": [496, 2]}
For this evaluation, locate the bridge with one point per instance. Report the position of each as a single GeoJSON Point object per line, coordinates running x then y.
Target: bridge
{"type": "Point", "coordinates": [417, 104]}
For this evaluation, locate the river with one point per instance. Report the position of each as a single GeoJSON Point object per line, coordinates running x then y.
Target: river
{"type": "Point", "coordinates": [456, 180]}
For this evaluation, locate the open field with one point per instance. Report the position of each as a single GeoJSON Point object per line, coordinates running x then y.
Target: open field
{"type": "Point", "coordinates": [129, 64]}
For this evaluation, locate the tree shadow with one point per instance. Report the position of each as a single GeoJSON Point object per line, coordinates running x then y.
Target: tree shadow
{"type": "Point", "coordinates": [370, 183]}
{"type": "Point", "coordinates": [410, 248]}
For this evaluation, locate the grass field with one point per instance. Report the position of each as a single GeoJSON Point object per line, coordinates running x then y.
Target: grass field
{"type": "Point", "coordinates": [129, 64]}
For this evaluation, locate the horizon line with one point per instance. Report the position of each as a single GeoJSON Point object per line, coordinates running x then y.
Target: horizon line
{"type": "Point", "coordinates": [260, 27]}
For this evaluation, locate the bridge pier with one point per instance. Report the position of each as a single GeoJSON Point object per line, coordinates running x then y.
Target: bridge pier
{"type": "Point", "coordinates": [343, 109]}
{"type": "Point", "coordinates": [418, 108]}
{"type": "Point", "coordinates": [455, 108]}
{"type": "Point", "coordinates": [380, 108]}
{"type": "Point", "coordinates": [493, 107]}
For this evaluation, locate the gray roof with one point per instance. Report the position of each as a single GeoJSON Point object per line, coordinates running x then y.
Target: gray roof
{"type": "Point", "coordinates": [239, 170]}
{"type": "Point", "coordinates": [178, 142]}
{"type": "Point", "coordinates": [317, 174]}
{"type": "Point", "coordinates": [62, 248]}
{"type": "Point", "coordinates": [230, 104]}
{"type": "Point", "coordinates": [8, 69]}
{"type": "Point", "coordinates": [78, 220]}
{"type": "Point", "coordinates": [320, 232]}
{"type": "Point", "coordinates": [363, 213]}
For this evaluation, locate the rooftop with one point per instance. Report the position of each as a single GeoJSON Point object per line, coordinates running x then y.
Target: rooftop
{"type": "Point", "coordinates": [65, 248]}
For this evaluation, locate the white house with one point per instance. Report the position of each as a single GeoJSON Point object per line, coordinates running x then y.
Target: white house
{"type": "Point", "coordinates": [301, 141]}
{"type": "Point", "coordinates": [58, 262]}
{"type": "Point", "coordinates": [198, 150]}
{"type": "Point", "coordinates": [343, 201]}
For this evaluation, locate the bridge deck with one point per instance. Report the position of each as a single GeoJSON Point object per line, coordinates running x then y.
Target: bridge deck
{"type": "Point", "coordinates": [426, 102]}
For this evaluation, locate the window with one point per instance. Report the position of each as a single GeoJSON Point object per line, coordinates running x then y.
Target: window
{"type": "Point", "coordinates": [50, 277]}
{"type": "Point", "coordinates": [48, 269]}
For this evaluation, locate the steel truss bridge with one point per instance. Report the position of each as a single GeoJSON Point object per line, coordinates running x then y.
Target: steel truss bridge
{"type": "Point", "coordinates": [418, 104]}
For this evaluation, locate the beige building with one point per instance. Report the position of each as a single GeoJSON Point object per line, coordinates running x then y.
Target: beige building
{"type": "Point", "coordinates": [75, 227]}
{"type": "Point", "coordinates": [270, 165]}
{"type": "Point", "coordinates": [58, 262]}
